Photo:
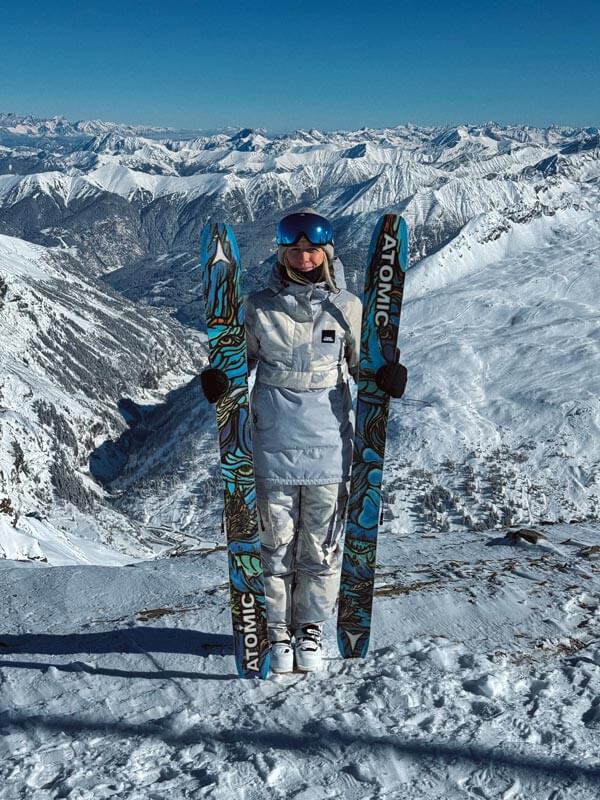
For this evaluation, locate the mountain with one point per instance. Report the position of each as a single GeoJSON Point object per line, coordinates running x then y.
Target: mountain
{"type": "Point", "coordinates": [58, 127]}
{"type": "Point", "coordinates": [100, 223]}
{"type": "Point", "coordinates": [116, 676]}
{"type": "Point", "coordinates": [158, 192]}
{"type": "Point", "coordinates": [73, 354]}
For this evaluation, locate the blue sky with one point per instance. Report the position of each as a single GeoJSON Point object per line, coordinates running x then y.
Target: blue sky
{"type": "Point", "coordinates": [194, 64]}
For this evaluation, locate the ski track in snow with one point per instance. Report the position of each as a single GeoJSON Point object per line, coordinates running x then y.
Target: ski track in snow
{"type": "Point", "coordinates": [483, 681]}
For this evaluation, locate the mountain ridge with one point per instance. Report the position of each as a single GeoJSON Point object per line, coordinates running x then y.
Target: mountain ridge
{"type": "Point", "coordinates": [101, 298]}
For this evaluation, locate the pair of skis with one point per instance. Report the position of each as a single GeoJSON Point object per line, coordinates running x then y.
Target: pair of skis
{"type": "Point", "coordinates": [382, 302]}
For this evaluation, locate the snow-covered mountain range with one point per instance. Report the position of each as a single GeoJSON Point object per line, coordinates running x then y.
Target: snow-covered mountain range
{"type": "Point", "coordinates": [103, 434]}
{"type": "Point", "coordinates": [483, 678]}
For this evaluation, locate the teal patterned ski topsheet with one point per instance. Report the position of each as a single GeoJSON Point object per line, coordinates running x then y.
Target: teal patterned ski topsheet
{"type": "Point", "coordinates": [382, 302]}
{"type": "Point", "coordinates": [221, 277]}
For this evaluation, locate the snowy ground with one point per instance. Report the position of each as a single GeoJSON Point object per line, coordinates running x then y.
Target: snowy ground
{"type": "Point", "coordinates": [483, 681]}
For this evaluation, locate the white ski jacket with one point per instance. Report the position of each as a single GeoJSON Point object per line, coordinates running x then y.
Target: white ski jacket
{"type": "Point", "coordinates": [306, 342]}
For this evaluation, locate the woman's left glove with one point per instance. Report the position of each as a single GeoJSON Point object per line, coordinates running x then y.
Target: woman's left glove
{"type": "Point", "coordinates": [214, 384]}
{"type": "Point", "coordinates": [391, 379]}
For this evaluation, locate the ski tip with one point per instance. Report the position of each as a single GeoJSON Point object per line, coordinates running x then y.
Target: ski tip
{"type": "Point", "coordinates": [215, 230]}
{"type": "Point", "coordinates": [218, 245]}
{"type": "Point", "coordinates": [394, 225]}
{"type": "Point", "coordinates": [403, 237]}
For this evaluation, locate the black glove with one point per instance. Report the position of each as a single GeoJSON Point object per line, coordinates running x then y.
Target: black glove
{"type": "Point", "coordinates": [214, 384]}
{"type": "Point", "coordinates": [391, 378]}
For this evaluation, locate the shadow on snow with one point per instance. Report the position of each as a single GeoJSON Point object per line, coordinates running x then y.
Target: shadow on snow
{"type": "Point", "coordinates": [313, 741]}
{"type": "Point", "coordinates": [150, 427]}
{"type": "Point", "coordinates": [139, 641]}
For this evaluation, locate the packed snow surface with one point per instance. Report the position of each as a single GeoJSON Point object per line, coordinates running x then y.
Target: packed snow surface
{"type": "Point", "coordinates": [483, 681]}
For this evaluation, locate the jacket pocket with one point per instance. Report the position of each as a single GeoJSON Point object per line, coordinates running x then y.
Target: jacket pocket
{"type": "Point", "coordinates": [263, 415]}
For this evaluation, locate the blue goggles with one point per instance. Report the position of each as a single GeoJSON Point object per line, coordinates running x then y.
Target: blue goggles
{"type": "Point", "coordinates": [315, 228]}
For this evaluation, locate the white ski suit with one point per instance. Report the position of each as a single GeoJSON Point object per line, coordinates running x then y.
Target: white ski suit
{"type": "Point", "coordinates": [305, 340]}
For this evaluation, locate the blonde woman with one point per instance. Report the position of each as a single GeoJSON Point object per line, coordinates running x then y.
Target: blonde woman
{"type": "Point", "coordinates": [303, 335]}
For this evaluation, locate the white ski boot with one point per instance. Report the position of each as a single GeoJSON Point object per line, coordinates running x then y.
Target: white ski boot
{"type": "Point", "coordinates": [282, 656]}
{"type": "Point", "coordinates": [308, 649]}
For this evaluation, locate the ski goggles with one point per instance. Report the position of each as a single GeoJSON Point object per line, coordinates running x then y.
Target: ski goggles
{"type": "Point", "coordinates": [315, 228]}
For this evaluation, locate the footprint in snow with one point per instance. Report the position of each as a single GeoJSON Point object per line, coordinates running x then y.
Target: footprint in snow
{"type": "Point", "coordinates": [485, 709]}
{"type": "Point", "coordinates": [591, 718]}
{"type": "Point", "coordinates": [526, 731]}
{"type": "Point", "coordinates": [487, 685]}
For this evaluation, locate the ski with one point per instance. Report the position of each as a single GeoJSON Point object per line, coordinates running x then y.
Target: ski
{"type": "Point", "coordinates": [382, 302]}
{"type": "Point", "coordinates": [224, 306]}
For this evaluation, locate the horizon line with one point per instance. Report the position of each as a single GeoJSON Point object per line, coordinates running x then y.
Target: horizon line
{"type": "Point", "coordinates": [262, 130]}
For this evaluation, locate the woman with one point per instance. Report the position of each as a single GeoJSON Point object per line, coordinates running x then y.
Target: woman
{"type": "Point", "coordinates": [303, 334]}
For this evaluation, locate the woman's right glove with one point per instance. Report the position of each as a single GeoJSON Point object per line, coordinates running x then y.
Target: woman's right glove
{"type": "Point", "coordinates": [214, 384]}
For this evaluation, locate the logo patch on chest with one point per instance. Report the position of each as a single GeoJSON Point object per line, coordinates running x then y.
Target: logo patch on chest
{"type": "Point", "coordinates": [328, 337]}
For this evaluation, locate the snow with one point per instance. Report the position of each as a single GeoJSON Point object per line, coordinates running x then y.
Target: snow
{"type": "Point", "coordinates": [483, 680]}
{"type": "Point", "coordinates": [126, 182]}
{"type": "Point", "coordinates": [20, 258]}
{"type": "Point", "coordinates": [56, 326]}
{"type": "Point", "coordinates": [501, 419]}
{"type": "Point", "coordinates": [40, 540]}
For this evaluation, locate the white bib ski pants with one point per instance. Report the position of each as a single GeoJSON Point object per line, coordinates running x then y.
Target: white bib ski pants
{"type": "Point", "coordinates": [301, 530]}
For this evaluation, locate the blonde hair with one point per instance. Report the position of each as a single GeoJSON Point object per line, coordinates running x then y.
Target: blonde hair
{"type": "Point", "coordinates": [297, 277]}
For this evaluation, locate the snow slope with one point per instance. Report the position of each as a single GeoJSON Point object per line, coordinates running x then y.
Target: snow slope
{"type": "Point", "coordinates": [71, 350]}
{"type": "Point", "coordinates": [501, 421]}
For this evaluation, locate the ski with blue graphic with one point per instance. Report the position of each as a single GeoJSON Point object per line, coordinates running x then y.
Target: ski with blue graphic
{"type": "Point", "coordinates": [382, 303]}
{"type": "Point", "coordinates": [224, 306]}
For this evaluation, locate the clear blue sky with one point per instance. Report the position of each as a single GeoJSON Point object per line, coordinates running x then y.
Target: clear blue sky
{"type": "Point", "coordinates": [189, 63]}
